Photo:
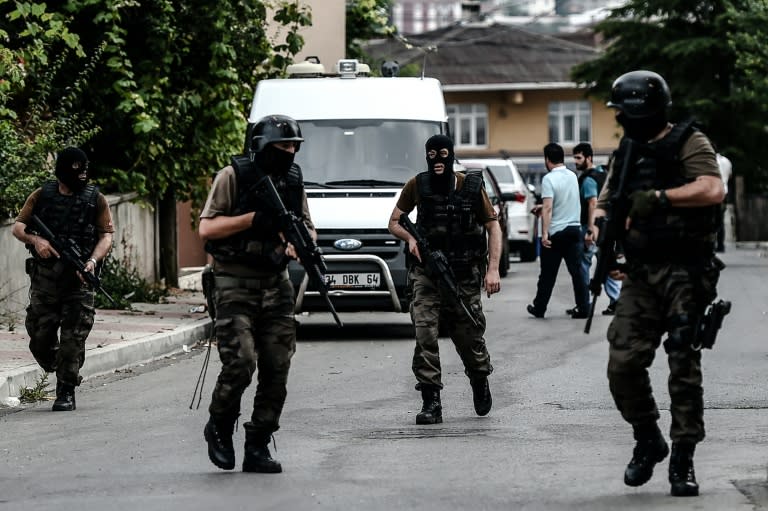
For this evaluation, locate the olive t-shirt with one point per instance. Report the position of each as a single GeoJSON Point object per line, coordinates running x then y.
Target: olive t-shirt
{"type": "Point", "coordinates": [409, 199]}
{"type": "Point", "coordinates": [697, 156]}
{"type": "Point", "coordinates": [103, 214]}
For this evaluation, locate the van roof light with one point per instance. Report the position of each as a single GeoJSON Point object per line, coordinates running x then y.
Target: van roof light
{"type": "Point", "coordinates": [350, 68]}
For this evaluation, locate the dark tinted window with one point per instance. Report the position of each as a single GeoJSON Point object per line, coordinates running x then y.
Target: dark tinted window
{"type": "Point", "coordinates": [338, 150]}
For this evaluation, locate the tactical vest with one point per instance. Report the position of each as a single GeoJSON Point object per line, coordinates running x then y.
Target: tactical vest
{"type": "Point", "coordinates": [450, 223]}
{"type": "Point", "coordinates": [599, 178]}
{"type": "Point", "coordinates": [682, 235]}
{"type": "Point", "coordinates": [69, 216]}
{"type": "Point", "coordinates": [256, 247]}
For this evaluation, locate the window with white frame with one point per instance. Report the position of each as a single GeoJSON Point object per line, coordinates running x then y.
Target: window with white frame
{"type": "Point", "coordinates": [469, 125]}
{"type": "Point", "coordinates": [570, 122]}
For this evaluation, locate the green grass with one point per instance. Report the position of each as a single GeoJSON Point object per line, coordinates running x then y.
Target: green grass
{"type": "Point", "coordinates": [36, 393]}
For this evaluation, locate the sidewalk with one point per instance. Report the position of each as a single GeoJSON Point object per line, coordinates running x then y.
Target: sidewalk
{"type": "Point", "coordinates": [119, 339]}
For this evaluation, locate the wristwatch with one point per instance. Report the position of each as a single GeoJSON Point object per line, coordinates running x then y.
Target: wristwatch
{"type": "Point", "coordinates": [95, 262]}
{"type": "Point", "coordinates": [663, 199]}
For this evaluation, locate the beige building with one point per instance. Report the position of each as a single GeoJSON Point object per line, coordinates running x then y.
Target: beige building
{"type": "Point", "coordinates": [508, 91]}
{"type": "Point", "coordinates": [326, 38]}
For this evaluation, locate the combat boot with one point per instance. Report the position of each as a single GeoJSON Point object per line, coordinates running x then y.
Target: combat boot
{"type": "Point", "coordinates": [650, 449]}
{"type": "Point", "coordinates": [432, 411]}
{"type": "Point", "coordinates": [481, 395]}
{"type": "Point", "coordinates": [681, 474]}
{"type": "Point", "coordinates": [257, 456]}
{"type": "Point", "coordinates": [218, 433]}
{"type": "Point", "coordinates": [65, 397]}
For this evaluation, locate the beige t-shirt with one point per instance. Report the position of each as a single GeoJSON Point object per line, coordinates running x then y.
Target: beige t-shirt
{"type": "Point", "coordinates": [697, 156]}
{"type": "Point", "coordinates": [222, 200]}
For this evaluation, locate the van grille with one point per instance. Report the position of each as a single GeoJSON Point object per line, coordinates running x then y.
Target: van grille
{"type": "Point", "coordinates": [378, 242]}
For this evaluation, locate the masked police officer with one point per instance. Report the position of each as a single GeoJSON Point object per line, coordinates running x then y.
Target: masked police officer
{"type": "Point", "coordinates": [61, 313]}
{"type": "Point", "coordinates": [454, 213]}
{"type": "Point", "coordinates": [254, 300]}
{"type": "Point", "coordinates": [669, 217]}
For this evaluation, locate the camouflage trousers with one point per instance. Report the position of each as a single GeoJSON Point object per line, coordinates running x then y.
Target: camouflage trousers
{"type": "Point", "coordinates": [657, 299]}
{"type": "Point", "coordinates": [256, 332]}
{"type": "Point", "coordinates": [433, 308]}
{"type": "Point", "coordinates": [59, 318]}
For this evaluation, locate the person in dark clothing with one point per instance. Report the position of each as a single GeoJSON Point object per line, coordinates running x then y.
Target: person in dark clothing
{"type": "Point", "coordinates": [254, 299]}
{"type": "Point", "coordinates": [591, 180]}
{"type": "Point", "coordinates": [454, 214]}
{"type": "Point", "coordinates": [60, 315]}
{"type": "Point", "coordinates": [671, 194]}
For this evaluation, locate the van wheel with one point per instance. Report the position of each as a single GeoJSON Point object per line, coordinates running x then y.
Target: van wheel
{"type": "Point", "coordinates": [504, 261]}
{"type": "Point", "coordinates": [528, 252]}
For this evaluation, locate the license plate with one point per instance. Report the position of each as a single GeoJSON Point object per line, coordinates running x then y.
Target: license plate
{"type": "Point", "coordinates": [352, 280]}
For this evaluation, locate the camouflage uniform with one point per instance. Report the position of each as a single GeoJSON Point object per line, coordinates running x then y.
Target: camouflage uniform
{"type": "Point", "coordinates": [254, 302]}
{"type": "Point", "coordinates": [656, 298]}
{"type": "Point", "coordinates": [61, 310]}
{"type": "Point", "coordinates": [255, 328]}
{"type": "Point", "coordinates": [59, 300]}
{"type": "Point", "coordinates": [433, 305]}
{"type": "Point", "coordinates": [671, 277]}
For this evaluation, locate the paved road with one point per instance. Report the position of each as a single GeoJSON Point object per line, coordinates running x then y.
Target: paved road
{"type": "Point", "coordinates": [348, 440]}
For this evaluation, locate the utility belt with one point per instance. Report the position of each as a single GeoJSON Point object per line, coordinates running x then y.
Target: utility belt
{"type": "Point", "coordinates": [50, 268]}
{"type": "Point", "coordinates": [250, 283]}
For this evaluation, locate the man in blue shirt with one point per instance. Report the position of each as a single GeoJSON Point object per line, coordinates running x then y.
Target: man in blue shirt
{"type": "Point", "coordinates": [561, 234]}
{"type": "Point", "coordinates": [591, 181]}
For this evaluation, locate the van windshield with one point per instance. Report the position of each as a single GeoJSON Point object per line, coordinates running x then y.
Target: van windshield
{"type": "Point", "coordinates": [363, 152]}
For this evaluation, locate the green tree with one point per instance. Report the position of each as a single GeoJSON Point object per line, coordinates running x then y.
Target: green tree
{"type": "Point", "coordinates": [34, 44]}
{"type": "Point", "coordinates": [710, 63]}
{"type": "Point", "coordinates": [366, 19]}
{"type": "Point", "coordinates": [171, 91]}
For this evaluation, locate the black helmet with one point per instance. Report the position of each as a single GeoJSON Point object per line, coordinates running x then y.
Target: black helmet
{"type": "Point", "coordinates": [640, 94]}
{"type": "Point", "coordinates": [275, 128]}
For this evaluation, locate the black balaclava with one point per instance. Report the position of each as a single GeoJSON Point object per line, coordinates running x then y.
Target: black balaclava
{"type": "Point", "coordinates": [643, 129]}
{"type": "Point", "coordinates": [441, 182]}
{"type": "Point", "coordinates": [274, 160]}
{"type": "Point", "coordinates": [66, 171]}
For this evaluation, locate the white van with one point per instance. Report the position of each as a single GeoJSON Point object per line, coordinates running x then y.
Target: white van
{"type": "Point", "coordinates": [364, 138]}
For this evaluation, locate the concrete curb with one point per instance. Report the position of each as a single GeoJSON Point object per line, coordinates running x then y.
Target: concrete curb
{"type": "Point", "coordinates": [106, 360]}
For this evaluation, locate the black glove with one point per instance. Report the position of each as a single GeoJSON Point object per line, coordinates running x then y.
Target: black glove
{"type": "Point", "coordinates": [643, 203]}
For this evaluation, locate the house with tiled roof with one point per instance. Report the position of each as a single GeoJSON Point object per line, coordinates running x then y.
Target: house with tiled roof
{"type": "Point", "coordinates": [508, 90]}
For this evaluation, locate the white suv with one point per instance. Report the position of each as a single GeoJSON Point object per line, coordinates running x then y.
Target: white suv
{"type": "Point", "coordinates": [521, 223]}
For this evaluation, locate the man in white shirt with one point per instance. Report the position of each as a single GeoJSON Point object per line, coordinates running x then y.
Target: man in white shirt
{"type": "Point", "coordinates": [561, 234]}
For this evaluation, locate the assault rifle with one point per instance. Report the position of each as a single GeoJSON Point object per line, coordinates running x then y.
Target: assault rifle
{"type": "Point", "coordinates": [710, 323]}
{"type": "Point", "coordinates": [70, 253]}
{"type": "Point", "coordinates": [611, 226]}
{"type": "Point", "coordinates": [296, 233]}
{"type": "Point", "coordinates": [436, 262]}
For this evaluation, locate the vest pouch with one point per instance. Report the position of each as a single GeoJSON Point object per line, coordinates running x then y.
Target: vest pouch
{"type": "Point", "coordinates": [29, 266]}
